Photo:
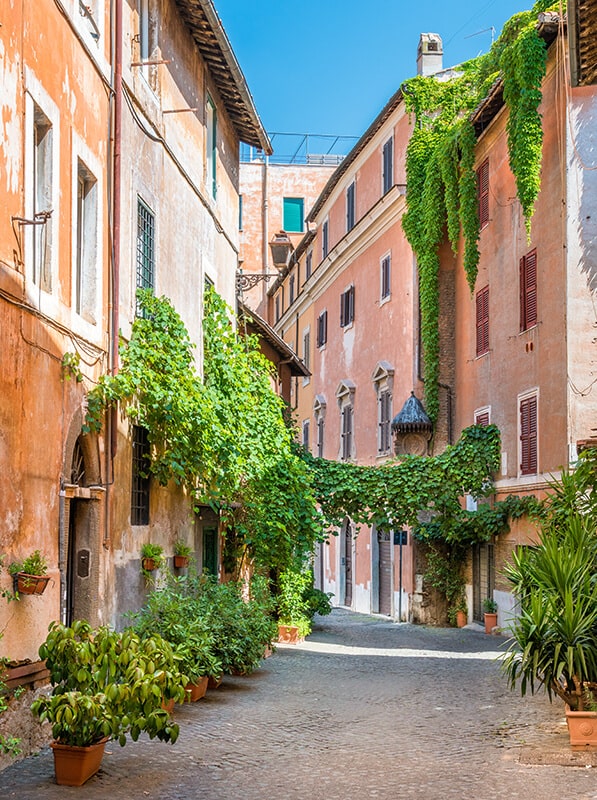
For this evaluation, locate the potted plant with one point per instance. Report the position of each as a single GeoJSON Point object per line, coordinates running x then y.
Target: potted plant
{"type": "Point", "coordinates": [30, 575]}
{"type": "Point", "coordinates": [182, 554]}
{"type": "Point", "coordinates": [554, 637]}
{"type": "Point", "coordinates": [294, 611]}
{"type": "Point", "coordinates": [490, 608]}
{"type": "Point", "coordinates": [152, 558]}
{"type": "Point", "coordinates": [106, 685]}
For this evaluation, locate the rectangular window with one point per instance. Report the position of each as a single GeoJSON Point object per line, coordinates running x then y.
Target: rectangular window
{"type": "Point", "coordinates": [140, 480]}
{"type": "Point", "coordinates": [385, 277]}
{"type": "Point", "coordinates": [483, 193]}
{"type": "Point", "coordinates": [308, 265]}
{"type": "Point", "coordinates": [384, 421]}
{"type": "Point", "coordinates": [306, 427]}
{"type": "Point", "coordinates": [42, 199]}
{"type": "Point", "coordinates": [482, 418]}
{"type": "Point", "coordinates": [347, 307]}
{"type": "Point", "coordinates": [322, 328]}
{"type": "Point", "coordinates": [350, 207]}
{"type": "Point", "coordinates": [145, 247]}
{"type": "Point", "coordinates": [211, 146]}
{"type": "Point", "coordinates": [346, 435]}
{"type": "Point", "coordinates": [528, 291]}
{"type": "Point", "coordinates": [147, 37]}
{"type": "Point", "coordinates": [482, 321]}
{"type": "Point", "coordinates": [277, 307]}
{"type": "Point", "coordinates": [294, 217]}
{"type": "Point", "coordinates": [388, 165]}
{"type": "Point", "coordinates": [528, 436]}
{"type": "Point", "coordinates": [291, 284]}
{"type": "Point", "coordinates": [324, 239]}
{"type": "Point", "coordinates": [240, 212]}
{"type": "Point", "coordinates": [307, 349]}
{"type": "Point", "coordinates": [86, 244]}
{"type": "Point", "coordinates": [320, 436]}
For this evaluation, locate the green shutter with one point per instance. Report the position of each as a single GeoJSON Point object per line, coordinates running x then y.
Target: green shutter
{"type": "Point", "coordinates": [293, 214]}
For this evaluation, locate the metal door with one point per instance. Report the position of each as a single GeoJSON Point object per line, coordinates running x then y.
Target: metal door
{"type": "Point", "coordinates": [348, 565]}
{"type": "Point", "coordinates": [385, 571]}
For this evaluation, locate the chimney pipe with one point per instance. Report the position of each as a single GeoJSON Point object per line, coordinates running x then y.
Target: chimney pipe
{"type": "Point", "coordinates": [430, 54]}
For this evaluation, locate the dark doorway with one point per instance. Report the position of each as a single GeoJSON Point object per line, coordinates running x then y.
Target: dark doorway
{"type": "Point", "coordinates": [210, 550]}
{"type": "Point", "coordinates": [348, 564]}
{"type": "Point", "coordinates": [385, 571]}
{"type": "Point", "coordinates": [483, 577]}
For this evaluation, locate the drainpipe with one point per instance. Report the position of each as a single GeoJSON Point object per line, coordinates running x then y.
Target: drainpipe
{"type": "Point", "coordinates": [265, 254]}
{"type": "Point", "coordinates": [116, 205]}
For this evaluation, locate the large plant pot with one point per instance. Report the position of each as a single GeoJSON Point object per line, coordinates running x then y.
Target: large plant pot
{"type": "Point", "coordinates": [214, 681]}
{"type": "Point", "coordinates": [31, 584]}
{"type": "Point", "coordinates": [181, 562]}
{"type": "Point", "coordinates": [490, 621]}
{"type": "Point", "coordinates": [461, 619]}
{"type": "Point", "coordinates": [149, 564]}
{"type": "Point", "coordinates": [289, 634]}
{"type": "Point", "coordinates": [75, 765]}
{"type": "Point", "coordinates": [195, 691]}
{"type": "Point", "coordinates": [582, 728]}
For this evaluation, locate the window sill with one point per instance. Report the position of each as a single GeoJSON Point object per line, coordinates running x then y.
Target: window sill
{"type": "Point", "coordinates": [385, 300]}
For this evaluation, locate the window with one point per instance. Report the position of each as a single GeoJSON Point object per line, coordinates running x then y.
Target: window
{"type": "Point", "coordinates": [482, 321]}
{"type": "Point", "coordinates": [388, 165]}
{"type": "Point", "coordinates": [307, 350]}
{"type": "Point", "coordinates": [147, 37]}
{"type": "Point", "coordinates": [211, 146]}
{"type": "Point", "coordinates": [528, 435]}
{"type": "Point", "coordinates": [346, 434]}
{"type": "Point", "coordinates": [350, 207]}
{"type": "Point", "coordinates": [324, 239]}
{"type": "Point", "coordinates": [277, 307]}
{"type": "Point", "coordinates": [308, 265]}
{"type": "Point", "coordinates": [528, 291]}
{"type": "Point", "coordinates": [140, 482]}
{"type": "Point", "coordinates": [42, 199]}
{"type": "Point", "coordinates": [322, 328]}
{"type": "Point", "coordinates": [240, 212]}
{"type": "Point", "coordinates": [483, 193]}
{"type": "Point", "coordinates": [145, 247]}
{"type": "Point", "coordinates": [385, 277]}
{"type": "Point", "coordinates": [294, 218]}
{"type": "Point", "coordinates": [347, 307]}
{"type": "Point", "coordinates": [291, 283]}
{"type": "Point", "coordinates": [384, 438]}
{"type": "Point", "coordinates": [482, 417]}
{"type": "Point", "coordinates": [319, 408]}
{"type": "Point", "coordinates": [306, 427]}
{"type": "Point", "coordinates": [85, 282]}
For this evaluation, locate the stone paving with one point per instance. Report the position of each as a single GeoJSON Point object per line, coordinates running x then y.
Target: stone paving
{"type": "Point", "coordinates": [365, 708]}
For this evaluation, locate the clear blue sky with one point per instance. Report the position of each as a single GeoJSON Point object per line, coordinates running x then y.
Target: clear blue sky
{"type": "Point", "coordinates": [329, 66]}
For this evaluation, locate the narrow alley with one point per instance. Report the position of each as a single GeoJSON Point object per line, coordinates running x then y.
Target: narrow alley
{"type": "Point", "coordinates": [364, 708]}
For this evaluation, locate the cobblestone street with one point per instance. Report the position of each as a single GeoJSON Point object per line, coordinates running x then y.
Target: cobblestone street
{"type": "Point", "coordinates": [363, 709]}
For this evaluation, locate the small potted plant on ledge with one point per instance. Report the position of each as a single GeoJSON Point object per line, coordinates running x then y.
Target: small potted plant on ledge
{"type": "Point", "coordinates": [490, 608]}
{"type": "Point", "coordinates": [152, 558]}
{"type": "Point", "coordinates": [182, 554]}
{"type": "Point", "coordinates": [30, 575]}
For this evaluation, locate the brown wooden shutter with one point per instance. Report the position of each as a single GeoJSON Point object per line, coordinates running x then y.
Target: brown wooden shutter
{"type": "Point", "coordinates": [528, 290]}
{"type": "Point", "coordinates": [483, 192]}
{"type": "Point", "coordinates": [528, 436]}
{"type": "Point", "coordinates": [482, 419]}
{"type": "Point", "coordinates": [482, 321]}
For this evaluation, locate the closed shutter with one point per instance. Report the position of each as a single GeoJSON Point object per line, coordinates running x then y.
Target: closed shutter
{"type": "Point", "coordinates": [293, 214]}
{"type": "Point", "coordinates": [388, 166]}
{"type": "Point", "coordinates": [482, 321]}
{"type": "Point", "coordinates": [483, 193]}
{"type": "Point", "coordinates": [528, 436]}
{"type": "Point", "coordinates": [528, 291]}
{"type": "Point", "coordinates": [482, 418]}
{"type": "Point", "coordinates": [347, 307]}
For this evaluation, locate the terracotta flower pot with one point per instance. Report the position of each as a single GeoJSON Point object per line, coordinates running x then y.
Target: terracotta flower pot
{"type": "Point", "coordinates": [214, 681]}
{"type": "Point", "coordinates": [168, 705]}
{"type": "Point", "coordinates": [582, 728]}
{"type": "Point", "coordinates": [289, 634]}
{"type": "Point", "coordinates": [195, 691]}
{"type": "Point", "coordinates": [461, 619]}
{"type": "Point", "coordinates": [180, 562]}
{"type": "Point", "coordinates": [490, 621]}
{"type": "Point", "coordinates": [149, 564]}
{"type": "Point", "coordinates": [31, 584]}
{"type": "Point", "coordinates": [75, 765]}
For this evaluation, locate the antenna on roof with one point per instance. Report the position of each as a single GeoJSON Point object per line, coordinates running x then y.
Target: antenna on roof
{"type": "Point", "coordinates": [492, 29]}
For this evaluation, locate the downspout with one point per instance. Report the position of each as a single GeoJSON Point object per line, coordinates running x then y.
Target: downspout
{"type": "Point", "coordinates": [265, 254]}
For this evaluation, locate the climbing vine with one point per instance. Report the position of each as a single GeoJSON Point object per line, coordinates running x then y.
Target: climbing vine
{"type": "Point", "coordinates": [441, 180]}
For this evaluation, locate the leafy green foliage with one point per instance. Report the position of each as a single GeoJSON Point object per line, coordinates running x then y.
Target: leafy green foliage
{"type": "Point", "coordinates": [108, 684]}
{"type": "Point", "coordinates": [298, 601]}
{"type": "Point", "coordinates": [441, 180]}
{"type": "Point", "coordinates": [9, 745]}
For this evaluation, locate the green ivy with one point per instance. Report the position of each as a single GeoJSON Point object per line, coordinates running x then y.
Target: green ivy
{"type": "Point", "coordinates": [440, 175]}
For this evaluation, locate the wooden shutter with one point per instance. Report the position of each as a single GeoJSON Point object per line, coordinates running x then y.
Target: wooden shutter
{"type": "Point", "coordinates": [528, 436]}
{"type": "Point", "coordinates": [482, 321]}
{"type": "Point", "coordinates": [483, 193]}
{"type": "Point", "coordinates": [388, 165]}
{"type": "Point", "coordinates": [528, 290]}
{"type": "Point", "coordinates": [482, 418]}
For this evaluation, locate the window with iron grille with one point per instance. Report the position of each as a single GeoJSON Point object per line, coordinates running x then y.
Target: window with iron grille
{"type": "Point", "coordinates": [385, 277]}
{"type": "Point", "coordinates": [140, 479]}
{"type": "Point", "coordinates": [528, 436]}
{"type": "Point", "coordinates": [322, 328]}
{"type": "Point", "coordinates": [388, 165]}
{"type": "Point", "coordinates": [528, 290]}
{"type": "Point", "coordinates": [350, 207]}
{"type": "Point", "coordinates": [483, 193]}
{"type": "Point", "coordinates": [384, 405]}
{"type": "Point", "coordinates": [347, 307]}
{"type": "Point", "coordinates": [347, 432]}
{"type": "Point", "coordinates": [324, 239]}
{"type": "Point", "coordinates": [145, 247]}
{"type": "Point", "coordinates": [482, 321]}
{"type": "Point", "coordinates": [308, 265]}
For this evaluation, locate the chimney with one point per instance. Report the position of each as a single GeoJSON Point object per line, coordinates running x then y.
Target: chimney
{"type": "Point", "coordinates": [430, 54]}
